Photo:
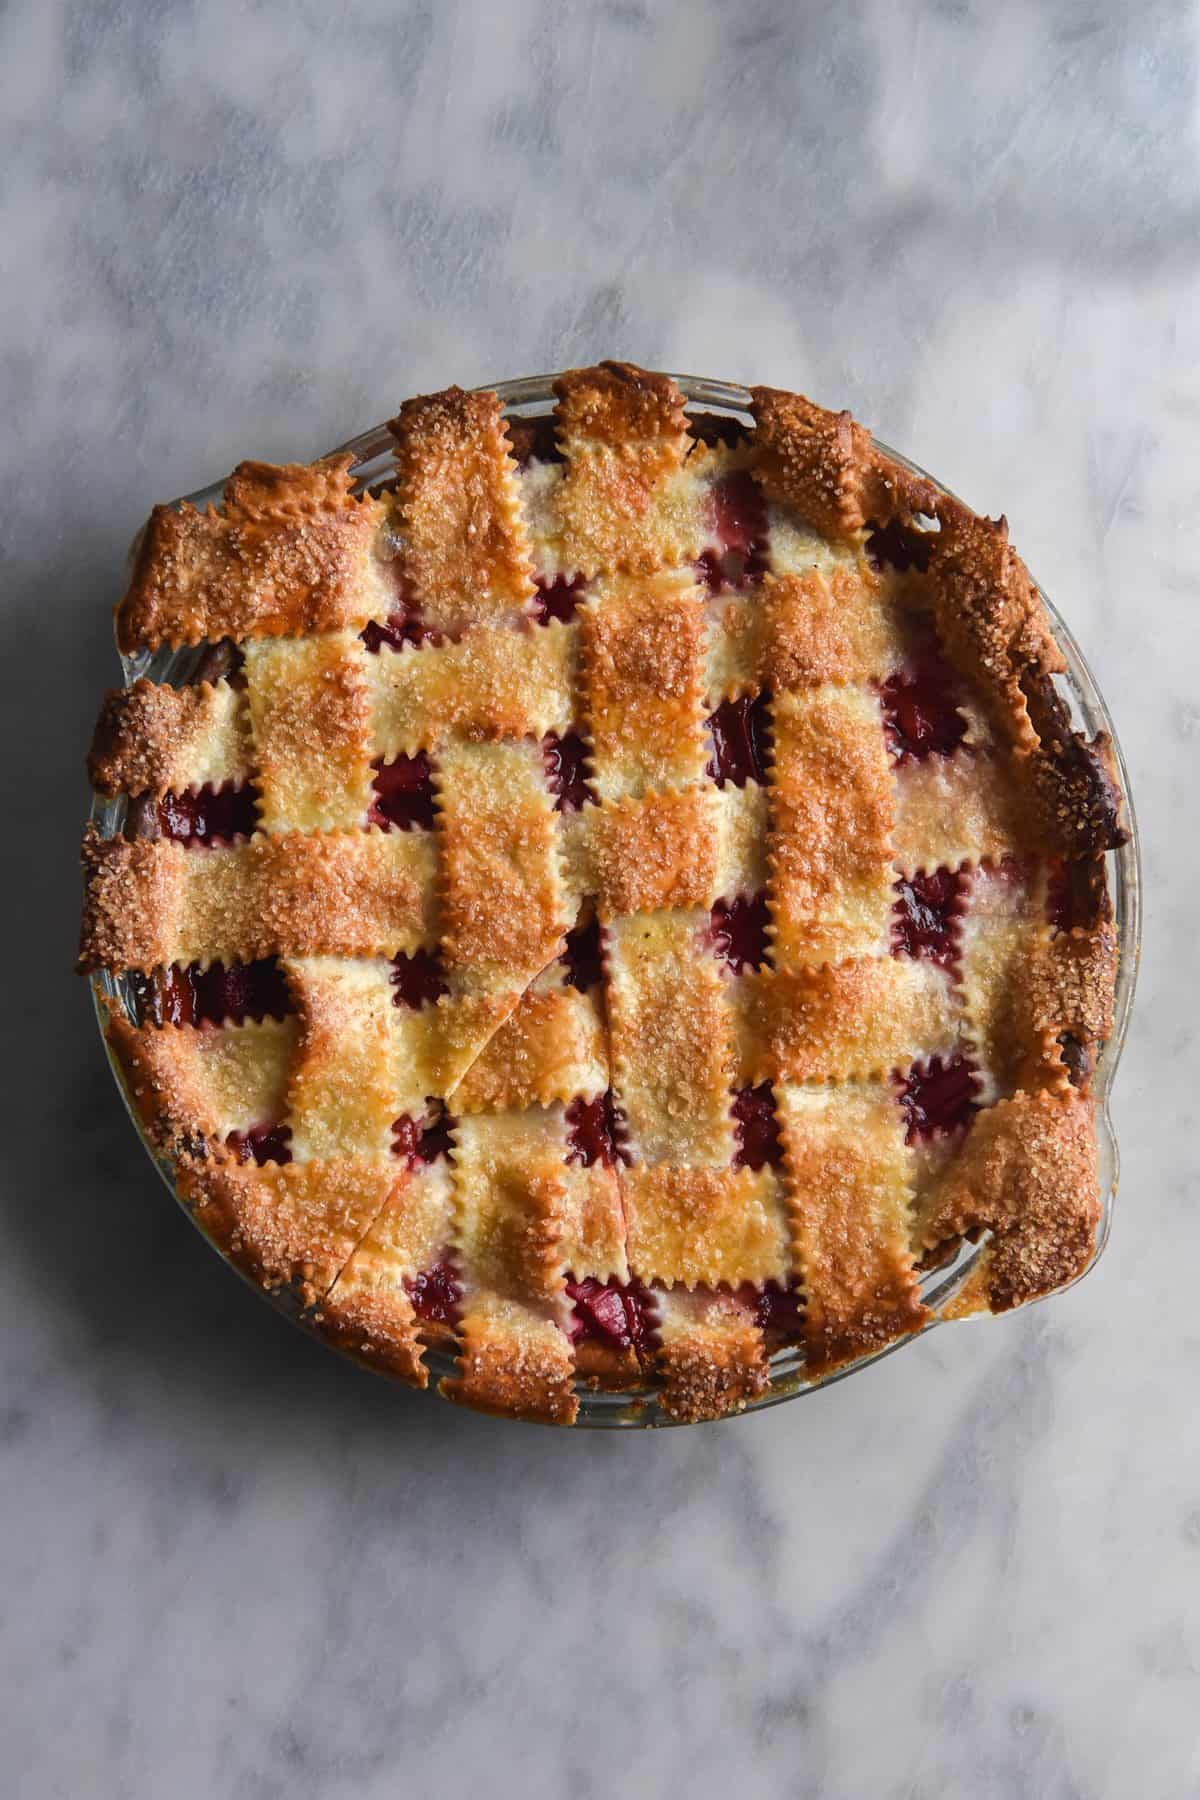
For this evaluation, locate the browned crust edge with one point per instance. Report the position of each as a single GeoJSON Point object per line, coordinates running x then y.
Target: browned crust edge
{"type": "Point", "coordinates": [826, 466]}
{"type": "Point", "coordinates": [1028, 1174]}
{"type": "Point", "coordinates": [381, 1331]}
{"type": "Point", "coordinates": [290, 550]}
{"type": "Point", "coordinates": [708, 1376]}
{"type": "Point", "coordinates": [511, 1378]}
{"type": "Point", "coordinates": [158, 1079]}
{"type": "Point", "coordinates": [989, 613]}
{"type": "Point", "coordinates": [147, 734]}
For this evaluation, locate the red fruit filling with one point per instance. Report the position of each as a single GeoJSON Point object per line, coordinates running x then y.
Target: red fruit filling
{"type": "Point", "coordinates": [899, 547]}
{"type": "Point", "coordinates": [613, 1313]}
{"type": "Point", "coordinates": [1060, 899]}
{"type": "Point", "coordinates": [261, 1144]}
{"type": "Point", "coordinates": [776, 1309]}
{"type": "Point", "coordinates": [939, 1096]}
{"type": "Point", "coordinates": [534, 438]}
{"type": "Point", "coordinates": [403, 794]}
{"type": "Point", "coordinates": [594, 1132]}
{"type": "Point", "coordinates": [1076, 1058]}
{"type": "Point", "coordinates": [422, 1140]}
{"type": "Point", "coordinates": [756, 1128]}
{"type": "Point", "coordinates": [566, 770]}
{"type": "Point", "coordinates": [222, 661]}
{"type": "Point", "coordinates": [739, 521]}
{"type": "Point", "coordinates": [721, 570]}
{"type": "Point", "coordinates": [925, 916]}
{"type": "Point", "coordinates": [739, 931]}
{"type": "Point", "coordinates": [418, 979]}
{"type": "Point", "coordinates": [1076, 893]}
{"type": "Point", "coordinates": [435, 1293]}
{"type": "Point", "coordinates": [740, 734]}
{"type": "Point", "coordinates": [583, 956]}
{"type": "Point", "coordinates": [920, 708]}
{"type": "Point", "coordinates": [210, 815]}
{"type": "Point", "coordinates": [738, 511]}
{"type": "Point", "coordinates": [404, 625]}
{"type": "Point", "coordinates": [557, 599]}
{"type": "Point", "coordinates": [216, 995]}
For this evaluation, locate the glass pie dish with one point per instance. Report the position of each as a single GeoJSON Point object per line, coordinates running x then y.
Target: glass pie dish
{"type": "Point", "coordinates": [531, 399]}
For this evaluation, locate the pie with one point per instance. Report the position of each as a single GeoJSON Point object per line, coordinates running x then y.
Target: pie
{"type": "Point", "coordinates": [619, 899]}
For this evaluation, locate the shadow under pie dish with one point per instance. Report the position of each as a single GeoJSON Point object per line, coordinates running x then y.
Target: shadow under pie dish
{"type": "Point", "coordinates": [600, 893]}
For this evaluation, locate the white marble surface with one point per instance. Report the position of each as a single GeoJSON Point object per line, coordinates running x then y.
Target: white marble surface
{"type": "Point", "coordinates": [231, 1565]}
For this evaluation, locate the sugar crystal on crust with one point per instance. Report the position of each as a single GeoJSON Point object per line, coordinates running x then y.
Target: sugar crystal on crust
{"type": "Point", "coordinates": [158, 739]}
{"type": "Point", "coordinates": [849, 1198]}
{"type": "Point", "coordinates": [289, 552]}
{"type": "Point", "coordinates": [832, 815]}
{"type": "Point", "coordinates": [464, 551]}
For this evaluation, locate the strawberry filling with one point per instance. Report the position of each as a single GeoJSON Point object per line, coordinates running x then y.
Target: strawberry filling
{"type": "Point", "coordinates": [422, 1140]}
{"type": "Point", "coordinates": [583, 956]}
{"type": "Point", "coordinates": [403, 626]}
{"type": "Point", "coordinates": [738, 517]}
{"type": "Point", "coordinates": [1076, 894]}
{"type": "Point", "coordinates": [776, 1309]}
{"type": "Point", "coordinates": [898, 547]}
{"type": "Point", "coordinates": [1076, 1058]}
{"type": "Point", "coordinates": [920, 709]}
{"type": "Point", "coordinates": [1060, 899]}
{"type": "Point", "coordinates": [435, 1293]}
{"type": "Point", "coordinates": [557, 599]}
{"type": "Point", "coordinates": [534, 440]}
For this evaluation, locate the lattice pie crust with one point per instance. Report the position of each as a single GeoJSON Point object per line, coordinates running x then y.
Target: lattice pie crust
{"type": "Point", "coordinates": [628, 896]}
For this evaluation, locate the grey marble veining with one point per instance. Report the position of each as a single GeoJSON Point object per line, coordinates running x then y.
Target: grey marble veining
{"type": "Point", "coordinates": [231, 1565]}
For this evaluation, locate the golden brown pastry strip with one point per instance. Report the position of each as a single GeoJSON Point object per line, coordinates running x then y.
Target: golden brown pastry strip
{"type": "Point", "coordinates": [510, 1218]}
{"type": "Point", "coordinates": [310, 719]}
{"type": "Point", "coordinates": [711, 1358]}
{"type": "Point", "coordinates": [832, 815]}
{"type": "Point", "coordinates": [705, 1226]}
{"type": "Point", "coordinates": [490, 684]}
{"type": "Point", "coordinates": [365, 893]}
{"type": "Point", "coordinates": [1028, 1174]}
{"type": "Point", "coordinates": [672, 1056]}
{"type": "Point", "coordinates": [156, 739]}
{"type": "Point", "coordinates": [295, 1224]}
{"type": "Point", "coordinates": [861, 1018]}
{"type": "Point", "coordinates": [289, 552]}
{"type": "Point", "coordinates": [627, 498]}
{"type": "Point", "coordinates": [368, 1310]}
{"type": "Point", "coordinates": [848, 1193]}
{"type": "Point", "coordinates": [503, 908]}
{"type": "Point", "coordinates": [642, 654]}
{"type": "Point", "coordinates": [465, 554]}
